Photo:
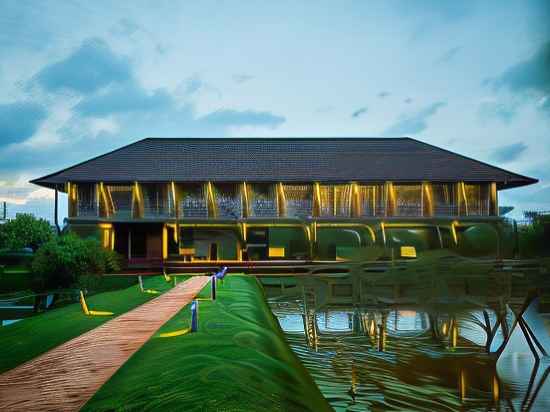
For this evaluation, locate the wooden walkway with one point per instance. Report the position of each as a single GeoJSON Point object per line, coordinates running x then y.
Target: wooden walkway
{"type": "Point", "coordinates": [66, 377]}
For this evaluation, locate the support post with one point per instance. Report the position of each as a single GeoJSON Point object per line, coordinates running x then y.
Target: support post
{"type": "Point", "coordinates": [55, 212]}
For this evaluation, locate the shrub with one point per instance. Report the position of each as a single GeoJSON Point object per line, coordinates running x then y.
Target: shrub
{"type": "Point", "coordinates": [25, 231]}
{"type": "Point", "coordinates": [63, 260]}
{"type": "Point", "coordinates": [534, 239]}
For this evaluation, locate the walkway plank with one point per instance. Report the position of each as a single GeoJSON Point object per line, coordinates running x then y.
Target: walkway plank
{"type": "Point", "coordinates": [66, 377]}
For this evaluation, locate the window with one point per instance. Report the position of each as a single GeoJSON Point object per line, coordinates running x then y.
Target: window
{"type": "Point", "coordinates": [444, 199]}
{"type": "Point", "coordinates": [408, 200]}
{"type": "Point", "coordinates": [193, 201]}
{"type": "Point", "coordinates": [372, 200]}
{"type": "Point", "coordinates": [299, 200]}
{"type": "Point", "coordinates": [262, 200]}
{"type": "Point", "coordinates": [335, 200]}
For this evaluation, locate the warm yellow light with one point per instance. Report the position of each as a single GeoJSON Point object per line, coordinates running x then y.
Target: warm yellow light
{"type": "Point", "coordinates": [496, 389]}
{"type": "Point", "coordinates": [408, 251]}
{"type": "Point", "coordinates": [462, 385]}
{"type": "Point", "coordinates": [164, 242]}
{"type": "Point", "coordinates": [454, 334]}
{"type": "Point", "coordinates": [453, 232]}
{"type": "Point", "coordinates": [106, 238]}
{"type": "Point", "coordinates": [276, 252]}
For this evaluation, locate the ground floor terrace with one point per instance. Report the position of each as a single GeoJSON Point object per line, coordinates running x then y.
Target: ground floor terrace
{"type": "Point", "coordinates": [265, 243]}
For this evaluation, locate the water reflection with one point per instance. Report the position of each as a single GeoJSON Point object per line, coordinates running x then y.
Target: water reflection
{"type": "Point", "coordinates": [20, 306]}
{"type": "Point", "coordinates": [441, 333]}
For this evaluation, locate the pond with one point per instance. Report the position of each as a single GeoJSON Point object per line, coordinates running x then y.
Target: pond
{"type": "Point", "coordinates": [436, 334]}
{"type": "Point", "coordinates": [20, 306]}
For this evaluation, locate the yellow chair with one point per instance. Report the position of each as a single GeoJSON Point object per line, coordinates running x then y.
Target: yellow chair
{"type": "Point", "coordinates": [91, 312]}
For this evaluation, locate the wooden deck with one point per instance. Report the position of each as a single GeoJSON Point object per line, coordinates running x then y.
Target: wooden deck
{"type": "Point", "coordinates": [66, 377]}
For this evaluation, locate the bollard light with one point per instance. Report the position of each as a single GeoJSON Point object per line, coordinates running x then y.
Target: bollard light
{"type": "Point", "coordinates": [213, 287]}
{"type": "Point", "coordinates": [195, 316]}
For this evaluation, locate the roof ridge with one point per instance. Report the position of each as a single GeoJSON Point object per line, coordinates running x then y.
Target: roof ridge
{"type": "Point", "coordinates": [275, 138]}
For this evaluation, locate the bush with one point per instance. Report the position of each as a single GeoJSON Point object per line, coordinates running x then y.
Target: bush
{"type": "Point", "coordinates": [534, 239]}
{"type": "Point", "coordinates": [25, 231]}
{"type": "Point", "coordinates": [64, 260]}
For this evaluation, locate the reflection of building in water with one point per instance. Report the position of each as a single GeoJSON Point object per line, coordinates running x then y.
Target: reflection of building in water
{"type": "Point", "coordinates": [438, 333]}
{"type": "Point", "coordinates": [173, 202]}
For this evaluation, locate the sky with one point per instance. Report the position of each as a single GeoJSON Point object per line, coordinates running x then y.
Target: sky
{"type": "Point", "coordinates": [80, 78]}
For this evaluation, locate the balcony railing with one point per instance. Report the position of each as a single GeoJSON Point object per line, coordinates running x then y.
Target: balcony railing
{"type": "Point", "coordinates": [302, 201]}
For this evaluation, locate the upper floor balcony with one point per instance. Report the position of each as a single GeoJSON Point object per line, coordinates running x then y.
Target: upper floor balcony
{"type": "Point", "coordinates": [233, 201]}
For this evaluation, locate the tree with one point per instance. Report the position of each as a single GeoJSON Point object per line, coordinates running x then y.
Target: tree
{"type": "Point", "coordinates": [64, 259]}
{"type": "Point", "coordinates": [25, 231]}
{"type": "Point", "coordinates": [534, 239]}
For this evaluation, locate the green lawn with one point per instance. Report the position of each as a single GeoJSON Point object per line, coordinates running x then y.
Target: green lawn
{"type": "Point", "coordinates": [237, 361]}
{"type": "Point", "coordinates": [33, 336]}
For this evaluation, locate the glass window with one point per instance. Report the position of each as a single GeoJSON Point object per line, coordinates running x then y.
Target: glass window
{"type": "Point", "coordinates": [372, 200]}
{"type": "Point", "coordinates": [444, 199]}
{"type": "Point", "coordinates": [262, 198]}
{"type": "Point", "coordinates": [156, 200]}
{"type": "Point", "coordinates": [335, 200]}
{"type": "Point", "coordinates": [193, 201]}
{"type": "Point", "coordinates": [228, 200]}
{"type": "Point", "coordinates": [86, 200]}
{"type": "Point", "coordinates": [477, 199]}
{"type": "Point", "coordinates": [119, 200]}
{"type": "Point", "coordinates": [408, 200]}
{"type": "Point", "coordinates": [299, 200]}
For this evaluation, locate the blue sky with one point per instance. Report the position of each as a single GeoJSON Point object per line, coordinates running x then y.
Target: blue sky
{"type": "Point", "coordinates": [78, 78]}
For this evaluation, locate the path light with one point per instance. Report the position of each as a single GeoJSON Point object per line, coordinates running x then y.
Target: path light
{"type": "Point", "coordinates": [221, 273]}
{"type": "Point", "coordinates": [195, 315]}
{"type": "Point", "coordinates": [213, 287]}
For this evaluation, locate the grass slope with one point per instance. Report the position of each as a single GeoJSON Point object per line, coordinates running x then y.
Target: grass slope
{"type": "Point", "coordinates": [33, 336]}
{"type": "Point", "coordinates": [237, 361]}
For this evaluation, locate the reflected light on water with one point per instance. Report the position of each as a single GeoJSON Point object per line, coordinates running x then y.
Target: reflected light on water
{"type": "Point", "coordinates": [399, 343]}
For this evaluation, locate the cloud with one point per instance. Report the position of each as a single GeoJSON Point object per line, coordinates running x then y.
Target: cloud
{"type": "Point", "coordinates": [508, 153]}
{"type": "Point", "coordinates": [122, 98]}
{"type": "Point", "coordinates": [413, 123]}
{"type": "Point", "coordinates": [498, 110]}
{"type": "Point", "coordinates": [242, 78]}
{"type": "Point", "coordinates": [448, 55]}
{"type": "Point", "coordinates": [230, 117]}
{"type": "Point", "coordinates": [19, 121]}
{"type": "Point", "coordinates": [383, 94]}
{"type": "Point", "coordinates": [408, 100]}
{"type": "Point", "coordinates": [125, 27]}
{"type": "Point", "coordinates": [89, 68]}
{"type": "Point", "coordinates": [192, 85]}
{"type": "Point", "coordinates": [359, 112]}
{"type": "Point", "coordinates": [445, 11]}
{"type": "Point", "coordinates": [530, 75]}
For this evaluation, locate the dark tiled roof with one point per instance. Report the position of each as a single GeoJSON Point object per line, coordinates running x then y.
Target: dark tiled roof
{"type": "Point", "coordinates": [282, 159]}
